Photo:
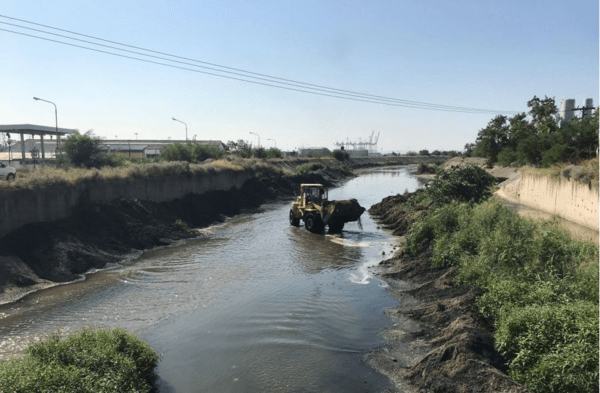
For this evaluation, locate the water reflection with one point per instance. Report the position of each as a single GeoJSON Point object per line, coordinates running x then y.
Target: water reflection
{"type": "Point", "coordinates": [316, 252]}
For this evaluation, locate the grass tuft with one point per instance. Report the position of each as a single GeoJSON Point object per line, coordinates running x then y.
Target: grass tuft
{"type": "Point", "coordinates": [87, 361]}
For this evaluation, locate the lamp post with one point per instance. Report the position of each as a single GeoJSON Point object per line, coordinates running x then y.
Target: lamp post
{"type": "Point", "coordinates": [55, 117]}
{"type": "Point", "coordinates": [273, 140]}
{"type": "Point", "coordinates": [185, 128]}
{"type": "Point", "coordinates": [258, 138]}
{"type": "Point", "coordinates": [9, 150]}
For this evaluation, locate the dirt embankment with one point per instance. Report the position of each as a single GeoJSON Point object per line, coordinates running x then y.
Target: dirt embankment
{"type": "Point", "coordinates": [439, 342]}
{"type": "Point", "coordinates": [96, 234]}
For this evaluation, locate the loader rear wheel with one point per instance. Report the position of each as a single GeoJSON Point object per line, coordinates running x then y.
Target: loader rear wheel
{"type": "Point", "coordinates": [293, 220]}
{"type": "Point", "coordinates": [313, 223]}
{"type": "Point", "coordinates": [336, 227]}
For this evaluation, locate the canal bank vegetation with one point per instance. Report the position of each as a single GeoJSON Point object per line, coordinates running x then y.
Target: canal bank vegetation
{"type": "Point", "coordinates": [586, 171]}
{"type": "Point", "coordinates": [538, 287]}
{"type": "Point", "coordinates": [45, 176]}
{"type": "Point", "coordinates": [86, 361]}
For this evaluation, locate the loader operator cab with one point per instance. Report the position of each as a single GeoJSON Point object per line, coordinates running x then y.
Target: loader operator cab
{"type": "Point", "coordinates": [315, 193]}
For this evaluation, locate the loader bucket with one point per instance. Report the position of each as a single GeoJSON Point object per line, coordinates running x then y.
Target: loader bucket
{"type": "Point", "coordinates": [344, 211]}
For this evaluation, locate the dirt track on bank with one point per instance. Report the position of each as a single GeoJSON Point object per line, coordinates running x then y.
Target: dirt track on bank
{"type": "Point", "coordinates": [439, 342]}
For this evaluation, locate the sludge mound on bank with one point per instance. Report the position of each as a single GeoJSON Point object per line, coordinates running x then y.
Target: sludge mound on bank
{"type": "Point", "coordinates": [395, 214]}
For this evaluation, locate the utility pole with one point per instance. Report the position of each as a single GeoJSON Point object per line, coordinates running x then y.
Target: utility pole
{"type": "Point", "coordinates": [583, 109]}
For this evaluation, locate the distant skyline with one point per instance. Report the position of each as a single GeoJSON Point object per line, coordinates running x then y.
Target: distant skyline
{"type": "Point", "coordinates": [472, 54]}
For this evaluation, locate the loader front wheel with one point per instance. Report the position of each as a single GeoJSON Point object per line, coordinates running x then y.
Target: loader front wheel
{"type": "Point", "coordinates": [313, 223]}
{"type": "Point", "coordinates": [293, 220]}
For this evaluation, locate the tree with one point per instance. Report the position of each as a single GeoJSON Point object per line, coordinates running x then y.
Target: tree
{"type": "Point", "coordinates": [491, 139]}
{"type": "Point", "coordinates": [468, 151]}
{"type": "Point", "coordinates": [241, 148]}
{"type": "Point", "coordinates": [84, 150]}
{"type": "Point", "coordinates": [544, 114]}
{"type": "Point", "coordinates": [582, 135]}
{"type": "Point", "coordinates": [424, 152]}
{"type": "Point", "coordinates": [520, 129]}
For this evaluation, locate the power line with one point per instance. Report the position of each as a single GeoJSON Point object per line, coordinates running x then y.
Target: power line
{"type": "Point", "coordinates": [296, 85]}
{"type": "Point", "coordinates": [242, 80]}
{"type": "Point", "coordinates": [414, 104]}
{"type": "Point", "coordinates": [275, 79]}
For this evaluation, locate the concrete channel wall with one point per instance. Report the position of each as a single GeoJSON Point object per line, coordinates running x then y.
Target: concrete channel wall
{"type": "Point", "coordinates": [566, 198]}
{"type": "Point", "coordinates": [20, 207]}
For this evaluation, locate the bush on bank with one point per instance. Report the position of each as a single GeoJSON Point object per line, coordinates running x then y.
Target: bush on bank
{"type": "Point", "coordinates": [540, 289]}
{"type": "Point", "coordinates": [87, 361]}
{"type": "Point", "coordinates": [468, 184]}
{"type": "Point", "coordinates": [190, 152]}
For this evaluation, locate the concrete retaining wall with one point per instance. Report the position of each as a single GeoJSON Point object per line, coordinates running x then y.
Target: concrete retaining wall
{"type": "Point", "coordinates": [20, 207]}
{"type": "Point", "coordinates": [566, 198]}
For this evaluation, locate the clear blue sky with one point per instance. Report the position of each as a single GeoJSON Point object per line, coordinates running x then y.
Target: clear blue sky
{"type": "Point", "coordinates": [476, 54]}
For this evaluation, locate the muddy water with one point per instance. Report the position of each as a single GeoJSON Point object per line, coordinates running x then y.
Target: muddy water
{"type": "Point", "coordinates": [253, 305]}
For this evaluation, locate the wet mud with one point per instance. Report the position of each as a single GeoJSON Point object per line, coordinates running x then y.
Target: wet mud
{"type": "Point", "coordinates": [439, 342]}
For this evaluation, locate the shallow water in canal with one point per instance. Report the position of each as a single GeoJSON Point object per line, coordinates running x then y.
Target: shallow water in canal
{"type": "Point", "coordinates": [253, 305]}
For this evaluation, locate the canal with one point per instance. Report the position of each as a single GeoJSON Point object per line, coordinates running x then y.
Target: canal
{"type": "Point", "coordinates": [251, 305]}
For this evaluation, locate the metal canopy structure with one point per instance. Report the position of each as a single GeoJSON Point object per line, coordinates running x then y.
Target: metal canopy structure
{"type": "Point", "coordinates": [31, 129]}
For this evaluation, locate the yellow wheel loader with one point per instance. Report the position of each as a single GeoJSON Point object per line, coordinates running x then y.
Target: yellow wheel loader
{"type": "Point", "coordinates": [317, 212]}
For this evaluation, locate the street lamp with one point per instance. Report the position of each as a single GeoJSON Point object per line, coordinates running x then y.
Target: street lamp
{"type": "Point", "coordinates": [10, 141]}
{"type": "Point", "coordinates": [185, 128]}
{"type": "Point", "coordinates": [273, 140]}
{"type": "Point", "coordinates": [258, 138]}
{"type": "Point", "coordinates": [55, 118]}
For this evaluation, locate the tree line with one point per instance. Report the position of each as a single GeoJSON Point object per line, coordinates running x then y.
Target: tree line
{"type": "Point", "coordinates": [539, 138]}
{"type": "Point", "coordinates": [87, 150]}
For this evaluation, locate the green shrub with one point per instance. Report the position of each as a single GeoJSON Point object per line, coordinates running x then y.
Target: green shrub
{"type": "Point", "coordinates": [308, 168]}
{"type": "Point", "coordinates": [556, 153]}
{"type": "Point", "coordinates": [83, 150]}
{"type": "Point", "coordinates": [540, 289]}
{"type": "Point", "coordinates": [553, 347]}
{"type": "Point", "coordinates": [273, 153]}
{"type": "Point", "coordinates": [468, 184]}
{"type": "Point", "coordinates": [87, 361]}
{"type": "Point", "coordinates": [507, 157]}
{"type": "Point", "coordinates": [340, 155]}
{"type": "Point", "coordinates": [259, 152]}
{"type": "Point", "coordinates": [190, 152]}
